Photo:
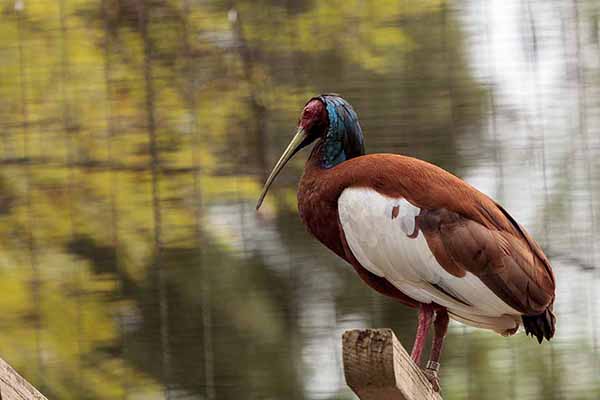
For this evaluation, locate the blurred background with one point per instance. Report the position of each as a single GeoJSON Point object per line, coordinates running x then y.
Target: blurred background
{"type": "Point", "coordinates": [135, 137]}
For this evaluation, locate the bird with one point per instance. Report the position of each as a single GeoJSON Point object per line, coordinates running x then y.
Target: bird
{"type": "Point", "coordinates": [417, 233]}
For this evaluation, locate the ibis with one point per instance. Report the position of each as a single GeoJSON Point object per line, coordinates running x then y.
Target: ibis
{"type": "Point", "coordinates": [417, 233]}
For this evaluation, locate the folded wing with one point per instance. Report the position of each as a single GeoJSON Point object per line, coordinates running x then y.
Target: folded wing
{"type": "Point", "coordinates": [485, 275]}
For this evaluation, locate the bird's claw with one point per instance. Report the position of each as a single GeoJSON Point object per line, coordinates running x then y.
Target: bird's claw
{"type": "Point", "coordinates": [433, 378]}
{"type": "Point", "coordinates": [431, 372]}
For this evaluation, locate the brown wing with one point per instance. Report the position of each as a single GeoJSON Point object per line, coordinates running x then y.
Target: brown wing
{"type": "Point", "coordinates": [504, 262]}
{"type": "Point", "coordinates": [466, 230]}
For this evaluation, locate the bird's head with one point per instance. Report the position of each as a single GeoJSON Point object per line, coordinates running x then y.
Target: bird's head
{"type": "Point", "coordinates": [332, 119]}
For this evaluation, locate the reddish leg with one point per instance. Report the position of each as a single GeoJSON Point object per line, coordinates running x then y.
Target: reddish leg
{"type": "Point", "coordinates": [425, 317]}
{"type": "Point", "coordinates": [440, 329]}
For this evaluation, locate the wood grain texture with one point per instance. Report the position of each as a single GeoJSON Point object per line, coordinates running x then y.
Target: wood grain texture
{"type": "Point", "coordinates": [14, 387]}
{"type": "Point", "coordinates": [377, 367]}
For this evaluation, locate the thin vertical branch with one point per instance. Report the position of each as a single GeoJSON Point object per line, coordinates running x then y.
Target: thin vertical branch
{"type": "Point", "coordinates": [259, 127]}
{"type": "Point", "coordinates": [71, 133]}
{"type": "Point", "coordinates": [157, 267]}
{"type": "Point", "coordinates": [498, 161]}
{"type": "Point", "coordinates": [582, 123]}
{"type": "Point", "coordinates": [191, 100]}
{"type": "Point", "coordinates": [497, 146]}
{"type": "Point", "coordinates": [568, 177]}
{"type": "Point", "coordinates": [114, 178]}
{"type": "Point", "coordinates": [595, 39]}
{"type": "Point", "coordinates": [32, 248]}
{"type": "Point", "coordinates": [540, 118]}
{"type": "Point", "coordinates": [446, 35]}
{"type": "Point", "coordinates": [584, 143]}
{"type": "Point", "coordinates": [295, 344]}
{"type": "Point", "coordinates": [258, 112]}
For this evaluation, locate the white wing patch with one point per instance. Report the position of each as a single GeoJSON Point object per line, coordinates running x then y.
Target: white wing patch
{"type": "Point", "coordinates": [381, 233]}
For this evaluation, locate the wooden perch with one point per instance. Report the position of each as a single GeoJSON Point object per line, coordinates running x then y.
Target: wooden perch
{"type": "Point", "coordinates": [377, 367]}
{"type": "Point", "coordinates": [14, 387]}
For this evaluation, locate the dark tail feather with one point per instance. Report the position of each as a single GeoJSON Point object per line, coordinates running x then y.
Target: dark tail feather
{"type": "Point", "coordinates": [541, 326]}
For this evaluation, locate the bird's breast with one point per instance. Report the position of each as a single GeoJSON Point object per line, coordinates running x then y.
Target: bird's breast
{"type": "Point", "coordinates": [318, 212]}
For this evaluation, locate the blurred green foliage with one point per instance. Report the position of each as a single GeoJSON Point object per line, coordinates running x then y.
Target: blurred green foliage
{"type": "Point", "coordinates": [123, 122]}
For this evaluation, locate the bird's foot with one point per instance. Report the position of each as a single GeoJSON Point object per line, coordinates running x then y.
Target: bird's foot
{"type": "Point", "coordinates": [431, 372]}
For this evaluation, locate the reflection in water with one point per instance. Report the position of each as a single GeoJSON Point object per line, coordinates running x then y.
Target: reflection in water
{"type": "Point", "coordinates": [135, 138]}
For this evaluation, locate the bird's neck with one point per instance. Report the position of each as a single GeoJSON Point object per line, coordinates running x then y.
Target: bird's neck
{"type": "Point", "coordinates": [329, 152]}
{"type": "Point", "coordinates": [343, 139]}
{"type": "Point", "coordinates": [318, 191]}
{"type": "Point", "coordinates": [315, 159]}
{"type": "Point", "coordinates": [320, 184]}
{"type": "Point", "coordinates": [332, 152]}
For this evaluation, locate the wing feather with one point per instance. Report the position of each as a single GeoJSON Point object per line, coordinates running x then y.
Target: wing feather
{"type": "Point", "coordinates": [501, 260]}
{"type": "Point", "coordinates": [486, 258]}
{"type": "Point", "coordinates": [387, 244]}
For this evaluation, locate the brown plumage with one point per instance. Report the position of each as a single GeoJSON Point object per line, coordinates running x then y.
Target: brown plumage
{"type": "Point", "coordinates": [465, 229]}
{"type": "Point", "coordinates": [448, 243]}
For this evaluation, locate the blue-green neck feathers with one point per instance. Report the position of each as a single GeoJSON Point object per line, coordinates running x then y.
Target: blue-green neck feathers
{"type": "Point", "coordinates": [344, 138]}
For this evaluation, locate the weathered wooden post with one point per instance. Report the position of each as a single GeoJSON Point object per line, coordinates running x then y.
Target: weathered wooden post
{"type": "Point", "coordinates": [14, 387]}
{"type": "Point", "coordinates": [377, 367]}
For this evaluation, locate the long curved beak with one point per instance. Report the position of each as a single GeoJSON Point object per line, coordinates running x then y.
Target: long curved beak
{"type": "Point", "coordinates": [298, 141]}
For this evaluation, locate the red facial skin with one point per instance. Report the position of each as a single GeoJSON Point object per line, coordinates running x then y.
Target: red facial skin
{"type": "Point", "coordinates": [314, 118]}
